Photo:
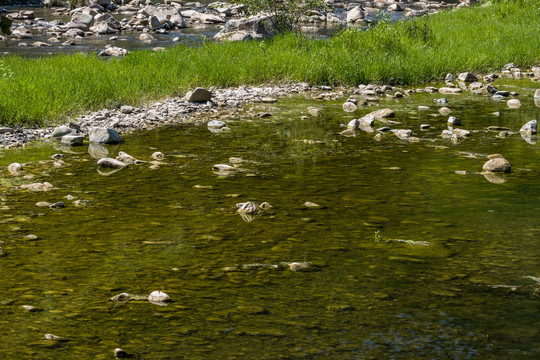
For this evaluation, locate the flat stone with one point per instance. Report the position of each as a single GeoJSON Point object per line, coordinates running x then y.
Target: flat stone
{"type": "Point", "coordinates": [383, 113]}
{"type": "Point", "coordinates": [450, 91]}
{"type": "Point", "coordinates": [537, 94]}
{"type": "Point", "coordinates": [5, 130]}
{"type": "Point", "coordinates": [38, 186]}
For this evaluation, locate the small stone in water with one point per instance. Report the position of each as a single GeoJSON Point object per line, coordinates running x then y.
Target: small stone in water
{"type": "Point", "coordinates": [57, 205]}
{"type": "Point", "coordinates": [30, 237]}
{"type": "Point", "coordinates": [224, 167]}
{"type": "Point", "coordinates": [55, 338]}
{"type": "Point", "coordinates": [121, 297]}
{"type": "Point", "coordinates": [159, 297]}
{"type": "Point", "coordinates": [298, 266]}
{"type": "Point", "coordinates": [31, 308]}
{"type": "Point", "coordinates": [158, 155]}
{"type": "Point", "coordinates": [121, 354]}
{"type": "Point", "coordinates": [310, 204]}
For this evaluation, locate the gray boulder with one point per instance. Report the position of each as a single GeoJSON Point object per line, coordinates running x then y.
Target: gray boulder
{"type": "Point", "coordinates": [497, 163]}
{"type": "Point", "coordinates": [105, 24]}
{"type": "Point", "coordinates": [255, 27]}
{"type": "Point", "coordinates": [165, 13]}
{"type": "Point", "coordinates": [529, 128]}
{"type": "Point", "coordinates": [355, 15]}
{"type": "Point", "coordinates": [104, 136]}
{"type": "Point", "coordinates": [199, 95]}
{"type": "Point", "coordinates": [82, 18]}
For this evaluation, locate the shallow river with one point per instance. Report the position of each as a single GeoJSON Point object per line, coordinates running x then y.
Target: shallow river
{"type": "Point", "coordinates": [465, 286]}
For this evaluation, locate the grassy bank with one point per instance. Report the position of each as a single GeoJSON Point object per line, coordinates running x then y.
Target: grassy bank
{"type": "Point", "coordinates": [45, 90]}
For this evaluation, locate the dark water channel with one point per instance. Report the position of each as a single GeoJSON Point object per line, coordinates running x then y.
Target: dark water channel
{"type": "Point", "coordinates": [470, 293]}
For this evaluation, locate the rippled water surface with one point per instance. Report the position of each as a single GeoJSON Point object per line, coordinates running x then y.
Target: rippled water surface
{"type": "Point", "coordinates": [463, 284]}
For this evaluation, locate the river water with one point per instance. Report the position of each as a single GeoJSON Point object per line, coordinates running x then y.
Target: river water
{"type": "Point", "coordinates": [463, 284]}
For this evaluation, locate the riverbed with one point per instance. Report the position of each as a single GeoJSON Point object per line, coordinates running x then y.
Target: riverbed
{"type": "Point", "coordinates": [410, 253]}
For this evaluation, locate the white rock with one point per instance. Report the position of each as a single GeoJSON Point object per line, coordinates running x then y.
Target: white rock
{"type": "Point", "coordinates": [513, 103]}
{"type": "Point", "coordinates": [158, 297]}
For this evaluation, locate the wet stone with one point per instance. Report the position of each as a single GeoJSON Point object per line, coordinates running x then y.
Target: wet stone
{"type": "Point", "coordinates": [497, 163]}
{"type": "Point", "coordinates": [110, 163]}
{"type": "Point", "coordinates": [158, 297]}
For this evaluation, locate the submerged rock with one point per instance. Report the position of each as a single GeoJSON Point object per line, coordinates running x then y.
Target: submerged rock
{"type": "Point", "coordinates": [122, 297]}
{"type": "Point", "coordinates": [127, 159]}
{"type": "Point", "coordinates": [55, 338]}
{"type": "Point", "coordinates": [15, 168]}
{"type": "Point", "coordinates": [224, 168]}
{"type": "Point", "coordinates": [383, 113]}
{"type": "Point", "coordinates": [38, 186]}
{"type": "Point", "coordinates": [497, 163]}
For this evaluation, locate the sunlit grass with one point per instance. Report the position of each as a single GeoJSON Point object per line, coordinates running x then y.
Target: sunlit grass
{"type": "Point", "coordinates": [481, 39]}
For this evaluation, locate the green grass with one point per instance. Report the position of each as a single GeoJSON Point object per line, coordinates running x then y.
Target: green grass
{"type": "Point", "coordinates": [48, 90]}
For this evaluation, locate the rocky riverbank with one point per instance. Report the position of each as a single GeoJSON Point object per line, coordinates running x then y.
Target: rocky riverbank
{"type": "Point", "coordinates": [202, 106]}
{"type": "Point", "coordinates": [146, 22]}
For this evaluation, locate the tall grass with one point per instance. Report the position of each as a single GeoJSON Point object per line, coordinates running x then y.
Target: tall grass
{"type": "Point", "coordinates": [53, 89]}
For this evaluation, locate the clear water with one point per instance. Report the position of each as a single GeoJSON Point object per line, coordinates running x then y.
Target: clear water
{"type": "Point", "coordinates": [367, 295]}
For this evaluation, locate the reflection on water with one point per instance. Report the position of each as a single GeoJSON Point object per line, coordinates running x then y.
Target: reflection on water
{"type": "Point", "coordinates": [404, 258]}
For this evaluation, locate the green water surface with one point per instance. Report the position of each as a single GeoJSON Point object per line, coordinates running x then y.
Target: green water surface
{"type": "Point", "coordinates": [469, 294]}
